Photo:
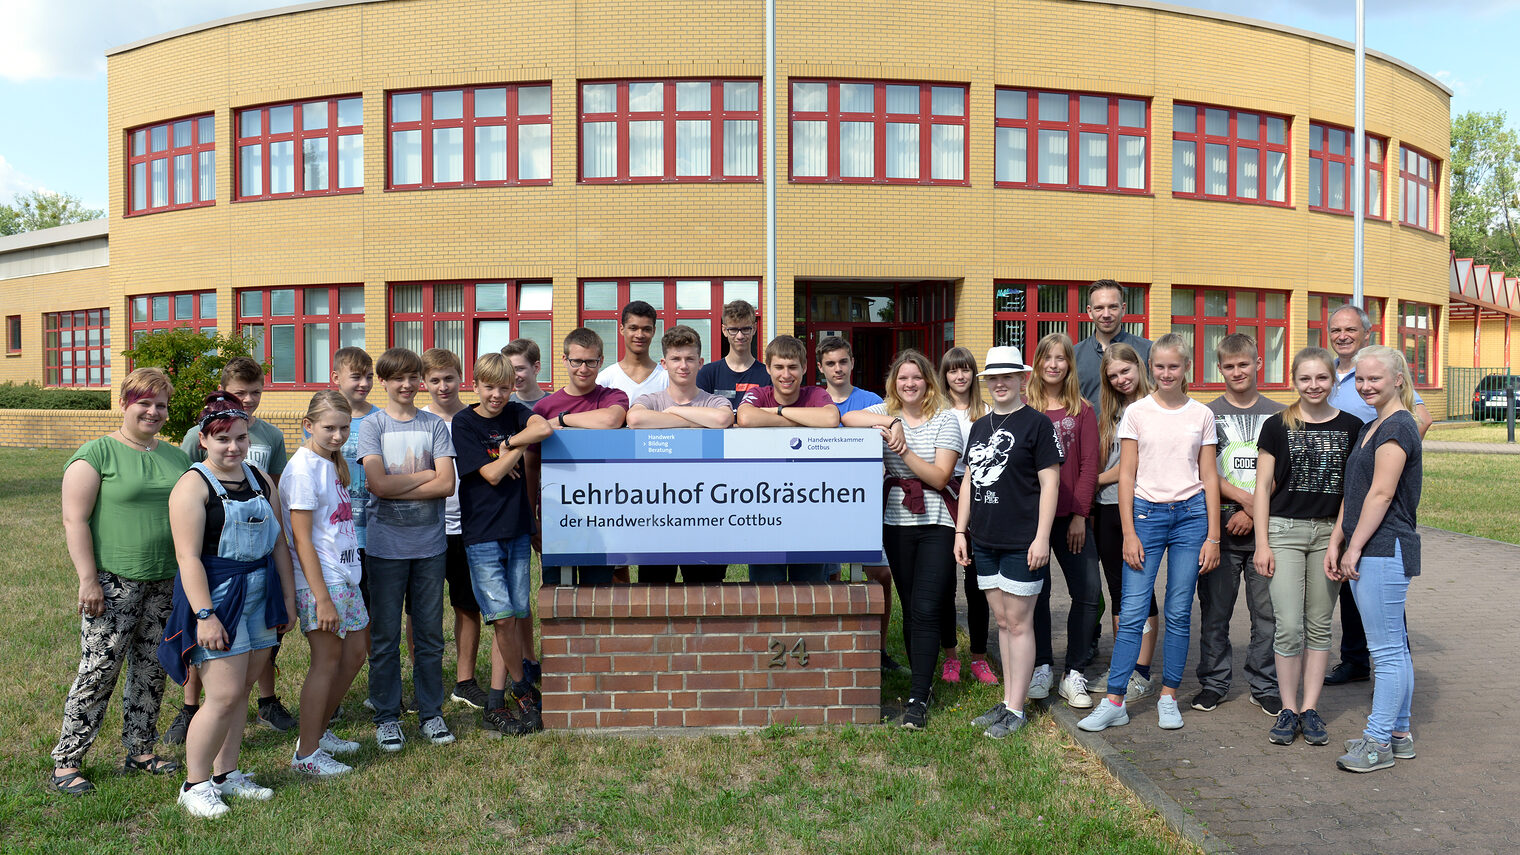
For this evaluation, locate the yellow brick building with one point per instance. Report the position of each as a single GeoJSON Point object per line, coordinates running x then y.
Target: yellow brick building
{"type": "Point", "coordinates": [947, 173]}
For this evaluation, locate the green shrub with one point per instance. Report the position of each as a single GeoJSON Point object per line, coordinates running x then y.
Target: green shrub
{"type": "Point", "coordinates": [31, 396]}
{"type": "Point", "coordinates": [194, 362]}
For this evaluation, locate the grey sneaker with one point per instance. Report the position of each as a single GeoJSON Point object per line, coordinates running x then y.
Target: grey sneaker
{"type": "Point", "coordinates": [1167, 714]}
{"type": "Point", "coordinates": [992, 716]}
{"type": "Point", "coordinates": [1040, 682]}
{"type": "Point", "coordinates": [437, 731]}
{"type": "Point", "coordinates": [1104, 716]}
{"type": "Point", "coordinates": [1007, 726]}
{"type": "Point", "coordinates": [1365, 755]}
{"type": "Point", "coordinates": [388, 736]}
{"type": "Point", "coordinates": [1138, 688]}
{"type": "Point", "coordinates": [1403, 746]}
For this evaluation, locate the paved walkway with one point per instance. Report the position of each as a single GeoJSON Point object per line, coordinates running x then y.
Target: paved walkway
{"type": "Point", "coordinates": [1460, 794]}
{"type": "Point", "coordinates": [1441, 445]}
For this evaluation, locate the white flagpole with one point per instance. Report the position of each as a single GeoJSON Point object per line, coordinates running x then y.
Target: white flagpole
{"type": "Point", "coordinates": [769, 311]}
{"type": "Point", "coordinates": [1360, 208]}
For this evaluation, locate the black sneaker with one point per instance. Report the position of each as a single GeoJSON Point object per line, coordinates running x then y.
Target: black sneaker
{"type": "Point", "coordinates": [916, 715]}
{"type": "Point", "coordinates": [892, 666]}
{"type": "Point", "coordinates": [533, 671]}
{"type": "Point", "coordinates": [175, 735]}
{"type": "Point", "coordinates": [1207, 700]}
{"type": "Point", "coordinates": [1270, 704]}
{"type": "Point", "coordinates": [469, 692]}
{"type": "Point", "coordinates": [1348, 673]}
{"type": "Point", "coordinates": [502, 722]}
{"type": "Point", "coordinates": [274, 715]}
{"type": "Point", "coordinates": [526, 711]}
{"type": "Point", "coordinates": [1313, 728]}
{"type": "Point", "coordinates": [1284, 729]}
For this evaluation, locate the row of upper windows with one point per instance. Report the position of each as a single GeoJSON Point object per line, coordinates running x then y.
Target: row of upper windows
{"type": "Point", "coordinates": [709, 130]}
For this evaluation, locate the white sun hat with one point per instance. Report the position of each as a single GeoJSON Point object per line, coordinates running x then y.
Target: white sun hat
{"type": "Point", "coordinates": [1004, 359]}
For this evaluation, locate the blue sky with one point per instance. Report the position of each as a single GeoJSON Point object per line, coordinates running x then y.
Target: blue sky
{"type": "Point", "coordinates": [53, 86]}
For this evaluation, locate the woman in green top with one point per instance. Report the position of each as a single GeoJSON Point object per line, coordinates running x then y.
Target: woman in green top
{"type": "Point", "coordinates": [116, 523]}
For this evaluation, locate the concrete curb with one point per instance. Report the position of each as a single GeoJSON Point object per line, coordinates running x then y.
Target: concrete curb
{"type": "Point", "coordinates": [1142, 786]}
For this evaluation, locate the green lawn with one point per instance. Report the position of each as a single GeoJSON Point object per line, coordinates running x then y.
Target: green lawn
{"type": "Point", "coordinates": [1472, 432]}
{"type": "Point", "coordinates": [1472, 493]}
{"type": "Point", "coordinates": [856, 790]}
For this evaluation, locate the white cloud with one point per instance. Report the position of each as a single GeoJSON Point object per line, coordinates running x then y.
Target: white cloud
{"type": "Point", "coordinates": [13, 181]}
{"type": "Point", "coordinates": [1458, 85]}
{"type": "Point", "coordinates": [68, 38]}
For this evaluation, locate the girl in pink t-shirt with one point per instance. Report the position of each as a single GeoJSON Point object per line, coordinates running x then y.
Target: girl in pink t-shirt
{"type": "Point", "coordinates": [1168, 503]}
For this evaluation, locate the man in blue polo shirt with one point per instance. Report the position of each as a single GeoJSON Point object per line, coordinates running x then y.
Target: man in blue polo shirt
{"type": "Point", "coordinates": [1349, 331]}
{"type": "Point", "coordinates": [1105, 306]}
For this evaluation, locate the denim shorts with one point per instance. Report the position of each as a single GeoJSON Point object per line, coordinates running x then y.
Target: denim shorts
{"type": "Point", "coordinates": [499, 570]}
{"type": "Point", "coordinates": [1007, 570]}
{"type": "Point", "coordinates": [252, 634]}
{"type": "Point", "coordinates": [352, 616]}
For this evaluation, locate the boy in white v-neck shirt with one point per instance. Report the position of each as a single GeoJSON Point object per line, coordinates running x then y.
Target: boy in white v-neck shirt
{"type": "Point", "coordinates": [636, 373]}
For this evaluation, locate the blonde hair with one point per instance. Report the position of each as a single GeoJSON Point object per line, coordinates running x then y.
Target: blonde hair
{"type": "Point", "coordinates": [933, 400]}
{"type": "Point", "coordinates": [493, 369]}
{"type": "Point", "coordinates": [1071, 390]}
{"type": "Point", "coordinates": [1113, 404]}
{"type": "Point", "coordinates": [962, 358]}
{"type": "Point", "coordinates": [331, 399]}
{"type": "Point", "coordinates": [1293, 416]}
{"type": "Point", "coordinates": [1178, 345]}
{"type": "Point", "coordinates": [1394, 361]}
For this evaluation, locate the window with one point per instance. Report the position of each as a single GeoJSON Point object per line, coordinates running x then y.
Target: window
{"type": "Point", "coordinates": [1332, 170]}
{"type": "Point", "coordinates": [1418, 323]}
{"type": "Point", "coordinates": [1317, 318]}
{"type": "Point", "coordinates": [471, 318]}
{"type": "Point", "coordinates": [1218, 153]}
{"type": "Point", "coordinates": [1204, 316]}
{"type": "Point", "coordinates": [1080, 141]}
{"type": "Point", "coordinates": [12, 333]}
{"type": "Point", "coordinates": [471, 137]}
{"type": "Point", "coordinates": [1056, 307]}
{"type": "Point", "coordinates": [194, 310]}
{"type": "Point", "coordinates": [1419, 176]}
{"type": "Point", "coordinates": [307, 148]}
{"type": "Point", "coordinates": [881, 133]}
{"type": "Point", "coordinates": [171, 165]}
{"type": "Point", "coordinates": [77, 348]}
{"type": "Point", "coordinates": [670, 130]}
{"type": "Point", "coordinates": [697, 303]}
{"type": "Point", "coordinates": [298, 329]}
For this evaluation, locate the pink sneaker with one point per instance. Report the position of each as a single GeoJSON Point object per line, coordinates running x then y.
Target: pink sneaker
{"type": "Point", "coordinates": [951, 673]}
{"type": "Point", "coordinates": [983, 672]}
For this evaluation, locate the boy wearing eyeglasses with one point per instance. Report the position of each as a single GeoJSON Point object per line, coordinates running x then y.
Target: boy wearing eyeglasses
{"type": "Point", "coordinates": [738, 372]}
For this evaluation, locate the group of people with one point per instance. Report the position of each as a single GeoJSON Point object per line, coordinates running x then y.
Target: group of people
{"type": "Point", "coordinates": [194, 561]}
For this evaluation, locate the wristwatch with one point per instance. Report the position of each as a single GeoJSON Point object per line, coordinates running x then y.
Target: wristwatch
{"type": "Point", "coordinates": [779, 408]}
{"type": "Point", "coordinates": [204, 614]}
{"type": "Point", "coordinates": [562, 420]}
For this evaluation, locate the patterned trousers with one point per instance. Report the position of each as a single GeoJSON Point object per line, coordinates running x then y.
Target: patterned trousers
{"type": "Point", "coordinates": [127, 633]}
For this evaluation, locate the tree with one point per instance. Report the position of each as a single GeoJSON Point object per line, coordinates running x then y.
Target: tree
{"type": "Point", "coordinates": [42, 209]}
{"type": "Point", "coordinates": [1485, 190]}
{"type": "Point", "coordinates": [194, 362]}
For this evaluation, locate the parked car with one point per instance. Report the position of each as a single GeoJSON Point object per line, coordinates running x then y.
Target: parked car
{"type": "Point", "coordinates": [1490, 400]}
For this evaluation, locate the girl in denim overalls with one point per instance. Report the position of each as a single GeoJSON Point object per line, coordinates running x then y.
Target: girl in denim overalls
{"type": "Point", "coordinates": [234, 593]}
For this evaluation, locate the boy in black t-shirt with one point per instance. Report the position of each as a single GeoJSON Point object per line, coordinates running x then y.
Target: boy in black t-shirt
{"type": "Point", "coordinates": [497, 523]}
{"type": "Point", "coordinates": [739, 371]}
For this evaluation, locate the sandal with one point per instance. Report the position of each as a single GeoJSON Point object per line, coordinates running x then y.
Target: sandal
{"type": "Point", "coordinates": [72, 784]}
{"type": "Point", "coordinates": [154, 765]}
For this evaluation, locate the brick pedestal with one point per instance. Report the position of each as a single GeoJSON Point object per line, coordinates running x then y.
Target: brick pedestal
{"type": "Point", "coordinates": [735, 655]}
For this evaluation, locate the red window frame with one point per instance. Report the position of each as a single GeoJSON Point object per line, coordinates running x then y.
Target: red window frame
{"type": "Point", "coordinates": [1320, 154]}
{"type": "Point", "coordinates": [1235, 142]}
{"type": "Point", "coordinates": [1234, 319]}
{"type": "Point", "coordinates": [259, 317]}
{"type": "Point", "coordinates": [1032, 124]}
{"type": "Point", "coordinates": [1321, 306]}
{"type": "Point", "coordinates": [623, 115]}
{"type": "Point", "coordinates": [12, 334]}
{"type": "Point", "coordinates": [64, 363]}
{"type": "Point", "coordinates": [429, 312]}
{"type": "Point", "coordinates": [143, 316]}
{"type": "Point", "coordinates": [467, 122]}
{"type": "Point", "coordinates": [1419, 177]}
{"type": "Point", "coordinates": [1024, 327]}
{"type": "Point", "coordinates": [663, 293]}
{"type": "Point", "coordinates": [834, 115]}
{"type": "Point", "coordinates": [1419, 329]}
{"type": "Point", "coordinates": [297, 136]}
{"type": "Point", "coordinates": [140, 151]}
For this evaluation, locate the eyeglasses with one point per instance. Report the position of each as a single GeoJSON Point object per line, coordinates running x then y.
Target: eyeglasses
{"type": "Point", "coordinates": [739, 330]}
{"type": "Point", "coordinates": [582, 363]}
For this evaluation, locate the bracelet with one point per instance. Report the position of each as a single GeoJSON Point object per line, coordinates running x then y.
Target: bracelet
{"type": "Point", "coordinates": [960, 531]}
{"type": "Point", "coordinates": [1215, 542]}
{"type": "Point", "coordinates": [895, 422]}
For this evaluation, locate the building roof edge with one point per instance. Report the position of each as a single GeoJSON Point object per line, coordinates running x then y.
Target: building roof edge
{"type": "Point", "coordinates": [56, 235]}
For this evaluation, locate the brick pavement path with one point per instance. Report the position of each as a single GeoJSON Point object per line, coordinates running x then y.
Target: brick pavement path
{"type": "Point", "coordinates": [1461, 794]}
{"type": "Point", "coordinates": [1441, 445]}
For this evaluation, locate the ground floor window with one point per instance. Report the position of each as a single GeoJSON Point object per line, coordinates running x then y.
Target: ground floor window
{"type": "Point", "coordinates": [1322, 306]}
{"type": "Point", "coordinates": [77, 348]}
{"type": "Point", "coordinates": [1025, 312]}
{"type": "Point", "coordinates": [1204, 316]}
{"type": "Point", "coordinates": [696, 302]}
{"type": "Point", "coordinates": [298, 329]}
{"type": "Point", "coordinates": [1418, 325]}
{"type": "Point", "coordinates": [470, 318]}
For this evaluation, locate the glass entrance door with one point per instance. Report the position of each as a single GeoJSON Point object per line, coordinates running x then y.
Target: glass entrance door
{"type": "Point", "coordinates": [878, 319]}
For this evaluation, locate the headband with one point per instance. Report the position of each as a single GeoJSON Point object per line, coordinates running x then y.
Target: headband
{"type": "Point", "coordinates": [222, 414]}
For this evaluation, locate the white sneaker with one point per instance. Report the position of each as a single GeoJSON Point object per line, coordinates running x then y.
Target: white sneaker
{"type": "Point", "coordinates": [319, 764]}
{"type": "Point", "coordinates": [202, 800]}
{"type": "Point", "coordinates": [333, 744]}
{"type": "Point", "coordinates": [388, 736]}
{"type": "Point", "coordinates": [1139, 687]}
{"type": "Point", "coordinates": [1039, 684]}
{"type": "Point", "coordinates": [437, 731]}
{"type": "Point", "coordinates": [1074, 689]}
{"type": "Point", "coordinates": [1169, 717]}
{"type": "Point", "coordinates": [1104, 716]}
{"type": "Point", "coordinates": [243, 786]}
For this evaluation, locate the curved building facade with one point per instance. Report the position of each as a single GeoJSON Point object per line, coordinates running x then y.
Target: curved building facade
{"type": "Point", "coordinates": [458, 173]}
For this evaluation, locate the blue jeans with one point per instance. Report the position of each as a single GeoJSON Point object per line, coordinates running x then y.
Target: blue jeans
{"type": "Point", "coordinates": [392, 582]}
{"type": "Point", "coordinates": [1380, 595]}
{"type": "Point", "coordinates": [499, 571]}
{"type": "Point", "coordinates": [1178, 530]}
